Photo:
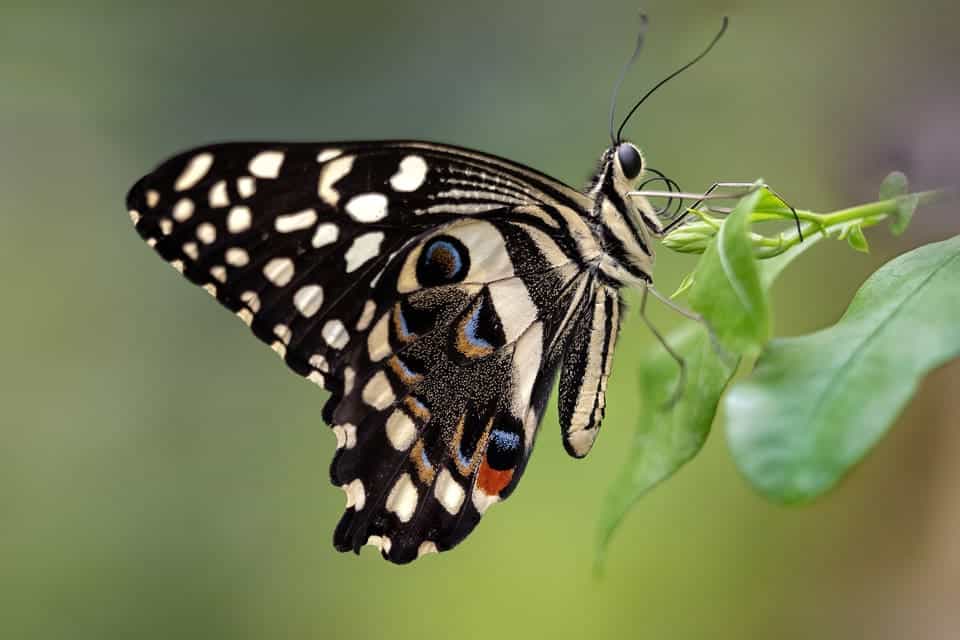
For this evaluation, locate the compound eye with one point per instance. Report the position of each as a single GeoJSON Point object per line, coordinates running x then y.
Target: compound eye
{"type": "Point", "coordinates": [630, 160]}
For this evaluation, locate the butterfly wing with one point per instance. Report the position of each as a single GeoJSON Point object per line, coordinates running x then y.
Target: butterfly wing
{"type": "Point", "coordinates": [587, 361]}
{"type": "Point", "coordinates": [449, 387]}
{"type": "Point", "coordinates": [429, 288]}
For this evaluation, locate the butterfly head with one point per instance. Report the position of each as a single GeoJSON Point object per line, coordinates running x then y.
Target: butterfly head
{"type": "Point", "coordinates": [621, 168]}
{"type": "Point", "coordinates": [625, 223]}
{"type": "Point", "coordinates": [628, 161]}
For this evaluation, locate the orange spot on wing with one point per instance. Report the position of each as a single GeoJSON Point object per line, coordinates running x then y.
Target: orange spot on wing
{"type": "Point", "coordinates": [419, 458]}
{"type": "Point", "coordinates": [492, 481]}
{"type": "Point", "coordinates": [417, 408]}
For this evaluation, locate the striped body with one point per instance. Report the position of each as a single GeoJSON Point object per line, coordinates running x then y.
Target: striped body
{"type": "Point", "coordinates": [435, 292]}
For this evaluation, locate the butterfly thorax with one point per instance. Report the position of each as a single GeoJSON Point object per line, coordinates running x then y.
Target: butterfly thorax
{"type": "Point", "coordinates": [623, 224]}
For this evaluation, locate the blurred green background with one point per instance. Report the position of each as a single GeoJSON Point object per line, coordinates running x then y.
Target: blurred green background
{"type": "Point", "coordinates": [162, 475]}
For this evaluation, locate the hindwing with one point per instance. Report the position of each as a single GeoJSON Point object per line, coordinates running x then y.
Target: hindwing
{"type": "Point", "coordinates": [449, 388]}
{"type": "Point", "coordinates": [431, 289]}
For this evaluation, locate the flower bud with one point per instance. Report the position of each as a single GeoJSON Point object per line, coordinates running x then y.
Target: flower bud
{"type": "Point", "coordinates": [692, 237]}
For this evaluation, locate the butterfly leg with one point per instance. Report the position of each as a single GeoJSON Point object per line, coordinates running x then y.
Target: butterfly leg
{"type": "Point", "coordinates": [739, 190]}
{"type": "Point", "coordinates": [681, 363]}
{"type": "Point", "coordinates": [729, 360]}
{"type": "Point", "coordinates": [746, 189]}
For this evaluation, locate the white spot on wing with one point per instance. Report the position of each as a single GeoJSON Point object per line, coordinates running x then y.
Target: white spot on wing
{"type": "Point", "coordinates": [403, 498]}
{"type": "Point", "coordinates": [153, 198]}
{"type": "Point", "coordinates": [426, 547]}
{"type": "Point", "coordinates": [449, 492]}
{"type": "Point", "coordinates": [356, 494]}
{"type": "Point", "coordinates": [219, 272]}
{"type": "Point", "coordinates": [328, 154]}
{"type": "Point", "coordinates": [251, 299]}
{"type": "Point", "coordinates": [246, 186]}
{"type": "Point", "coordinates": [237, 257]}
{"type": "Point", "coordinates": [279, 271]}
{"type": "Point", "coordinates": [369, 308]}
{"type": "Point", "coordinates": [330, 174]}
{"type": "Point", "coordinates": [166, 226]}
{"type": "Point", "coordinates": [134, 216]}
{"type": "Point", "coordinates": [411, 174]}
{"type": "Point", "coordinates": [482, 500]}
{"type": "Point", "coordinates": [308, 299]}
{"type": "Point", "coordinates": [326, 233]}
{"type": "Point", "coordinates": [367, 207]}
{"type": "Point", "coordinates": [218, 195]}
{"type": "Point", "coordinates": [183, 210]}
{"type": "Point", "coordinates": [317, 361]}
{"type": "Point", "coordinates": [266, 164]}
{"type": "Point", "coordinates": [335, 334]}
{"type": "Point", "coordinates": [346, 435]}
{"type": "Point", "coordinates": [400, 430]}
{"type": "Point", "coordinates": [291, 222]}
{"type": "Point", "coordinates": [316, 378]}
{"type": "Point", "coordinates": [382, 543]}
{"type": "Point", "coordinates": [191, 250]}
{"type": "Point", "coordinates": [377, 392]}
{"type": "Point", "coordinates": [364, 248]}
{"type": "Point", "coordinates": [238, 220]}
{"type": "Point", "coordinates": [206, 233]}
{"type": "Point", "coordinates": [194, 171]}
{"type": "Point", "coordinates": [246, 316]}
{"type": "Point", "coordinates": [283, 332]}
{"type": "Point", "coordinates": [348, 377]}
{"type": "Point", "coordinates": [378, 340]}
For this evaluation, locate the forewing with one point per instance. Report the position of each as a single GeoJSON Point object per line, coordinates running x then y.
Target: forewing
{"type": "Point", "coordinates": [282, 234]}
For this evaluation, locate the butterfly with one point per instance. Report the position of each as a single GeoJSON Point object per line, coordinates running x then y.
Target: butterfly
{"type": "Point", "coordinates": [436, 292]}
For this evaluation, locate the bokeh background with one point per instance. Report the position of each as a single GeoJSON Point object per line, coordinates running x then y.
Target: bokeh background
{"type": "Point", "coordinates": [162, 475]}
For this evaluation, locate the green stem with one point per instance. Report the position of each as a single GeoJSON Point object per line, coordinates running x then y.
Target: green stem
{"type": "Point", "coordinates": [694, 237]}
{"type": "Point", "coordinates": [829, 224]}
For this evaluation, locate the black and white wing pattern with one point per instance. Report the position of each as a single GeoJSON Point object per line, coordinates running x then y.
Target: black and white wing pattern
{"type": "Point", "coordinates": [434, 291]}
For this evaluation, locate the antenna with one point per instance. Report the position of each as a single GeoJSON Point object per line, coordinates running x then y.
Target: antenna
{"type": "Point", "coordinates": [723, 29]}
{"type": "Point", "coordinates": [623, 73]}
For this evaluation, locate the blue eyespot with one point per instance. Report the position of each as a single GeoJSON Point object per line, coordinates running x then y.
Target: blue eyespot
{"type": "Point", "coordinates": [504, 449]}
{"type": "Point", "coordinates": [473, 324]}
{"type": "Point", "coordinates": [443, 260]}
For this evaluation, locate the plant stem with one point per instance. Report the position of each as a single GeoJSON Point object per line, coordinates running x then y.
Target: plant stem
{"type": "Point", "coordinates": [694, 237]}
{"type": "Point", "coordinates": [829, 224]}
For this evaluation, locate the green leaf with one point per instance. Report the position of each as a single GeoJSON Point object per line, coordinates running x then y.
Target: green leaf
{"type": "Point", "coordinates": [816, 404]}
{"type": "Point", "coordinates": [856, 239]}
{"type": "Point", "coordinates": [906, 206]}
{"type": "Point", "coordinates": [727, 290]}
{"type": "Point", "coordinates": [894, 186]}
{"type": "Point", "coordinates": [685, 284]}
{"type": "Point", "coordinates": [770, 202]}
{"type": "Point", "coordinates": [666, 437]}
